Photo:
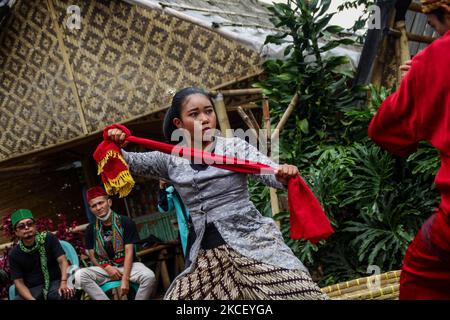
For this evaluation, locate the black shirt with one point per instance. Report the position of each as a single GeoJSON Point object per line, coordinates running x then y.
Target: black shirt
{"type": "Point", "coordinates": [130, 236]}
{"type": "Point", "coordinates": [212, 238]}
{"type": "Point", "coordinates": [27, 266]}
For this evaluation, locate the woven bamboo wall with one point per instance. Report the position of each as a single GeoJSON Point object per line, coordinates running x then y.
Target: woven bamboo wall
{"type": "Point", "coordinates": [58, 84]}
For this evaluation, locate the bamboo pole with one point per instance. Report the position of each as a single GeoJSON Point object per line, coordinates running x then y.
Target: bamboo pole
{"type": "Point", "coordinates": [266, 119]}
{"type": "Point", "coordinates": [412, 36]}
{"type": "Point", "coordinates": [360, 281]}
{"type": "Point", "coordinates": [247, 106]}
{"type": "Point", "coordinates": [247, 121]}
{"type": "Point", "coordinates": [373, 294]}
{"type": "Point", "coordinates": [222, 116]}
{"type": "Point", "coordinates": [420, 38]}
{"type": "Point", "coordinates": [380, 59]}
{"type": "Point", "coordinates": [22, 167]}
{"type": "Point", "coordinates": [274, 203]}
{"type": "Point", "coordinates": [356, 282]}
{"type": "Point", "coordinates": [364, 286]}
{"type": "Point", "coordinates": [163, 267]}
{"type": "Point", "coordinates": [235, 92]}
{"type": "Point", "coordinates": [152, 250]}
{"type": "Point", "coordinates": [273, 192]}
{"type": "Point", "coordinates": [253, 119]}
{"type": "Point", "coordinates": [392, 296]}
{"type": "Point", "coordinates": [398, 61]}
{"type": "Point", "coordinates": [403, 48]}
{"type": "Point", "coordinates": [384, 278]}
{"type": "Point", "coordinates": [70, 73]}
{"type": "Point", "coordinates": [286, 115]}
{"type": "Point", "coordinates": [179, 262]}
{"type": "Point", "coordinates": [379, 64]}
{"type": "Point", "coordinates": [246, 25]}
{"type": "Point", "coordinates": [246, 118]}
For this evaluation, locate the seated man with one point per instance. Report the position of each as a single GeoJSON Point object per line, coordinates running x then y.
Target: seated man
{"type": "Point", "coordinates": [38, 264]}
{"type": "Point", "coordinates": [110, 241]}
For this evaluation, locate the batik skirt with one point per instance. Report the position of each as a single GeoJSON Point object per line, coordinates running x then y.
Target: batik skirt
{"type": "Point", "coordinates": [224, 274]}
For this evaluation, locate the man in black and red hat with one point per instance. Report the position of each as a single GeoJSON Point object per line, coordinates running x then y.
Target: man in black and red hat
{"type": "Point", "coordinates": [110, 241]}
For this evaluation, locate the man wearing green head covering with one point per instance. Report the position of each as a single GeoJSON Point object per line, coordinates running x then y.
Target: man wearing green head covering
{"type": "Point", "coordinates": [38, 264]}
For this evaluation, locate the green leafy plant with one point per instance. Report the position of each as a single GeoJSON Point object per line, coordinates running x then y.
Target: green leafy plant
{"type": "Point", "coordinates": [375, 202]}
{"type": "Point", "coordinates": [259, 195]}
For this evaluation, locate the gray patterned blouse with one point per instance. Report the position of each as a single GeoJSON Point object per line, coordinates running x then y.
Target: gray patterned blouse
{"type": "Point", "coordinates": [221, 197]}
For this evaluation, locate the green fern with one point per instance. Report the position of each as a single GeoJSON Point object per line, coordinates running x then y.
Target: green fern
{"type": "Point", "coordinates": [372, 170]}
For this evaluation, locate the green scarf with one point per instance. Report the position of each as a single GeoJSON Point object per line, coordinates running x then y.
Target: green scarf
{"type": "Point", "coordinates": [39, 246]}
{"type": "Point", "coordinates": [117, 241]}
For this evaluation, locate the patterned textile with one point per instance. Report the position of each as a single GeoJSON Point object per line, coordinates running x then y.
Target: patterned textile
{"type": "Point", "coordinates": [117, 242]}
{"type": "Point", "coordinates": [222, 273]}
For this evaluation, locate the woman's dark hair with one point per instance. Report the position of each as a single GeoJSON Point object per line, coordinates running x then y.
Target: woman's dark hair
{"type": "Point", "coordinates": [440, 14]}
{"type": "Point", "coordinates": [175, 109]}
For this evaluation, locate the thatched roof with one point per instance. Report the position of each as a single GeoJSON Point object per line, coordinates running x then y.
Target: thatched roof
{"type": "Point", "coordinates": [247, 22]}
{"type": "Point", "coordinates": [59, 84]}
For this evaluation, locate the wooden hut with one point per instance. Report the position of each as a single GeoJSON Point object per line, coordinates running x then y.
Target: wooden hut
{"type": "Point", "coordinates": [69, 68]}
{"type": "Point", "coordinates": [404, 32]}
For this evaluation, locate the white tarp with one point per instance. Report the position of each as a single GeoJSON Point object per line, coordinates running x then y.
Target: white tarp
{"type": "Point", "coordinates": [253, 37]}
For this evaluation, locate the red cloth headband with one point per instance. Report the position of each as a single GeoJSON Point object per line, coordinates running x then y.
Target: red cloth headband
{"type": "Point", "coordinates": [95, 192]}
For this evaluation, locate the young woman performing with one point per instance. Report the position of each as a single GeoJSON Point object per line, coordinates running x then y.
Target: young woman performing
{"type": "Point", "coordinates": [237, 253]}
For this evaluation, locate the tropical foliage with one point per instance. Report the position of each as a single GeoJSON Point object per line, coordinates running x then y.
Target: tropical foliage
{"type": "Point", "coordinates": [376, 202]}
